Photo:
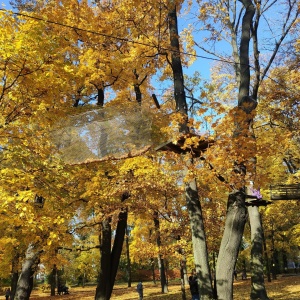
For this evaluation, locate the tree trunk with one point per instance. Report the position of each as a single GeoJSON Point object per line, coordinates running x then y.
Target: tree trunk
{"type": "Point", "coordinates": [192, 198]}
{"type": "Point", "coordinates": [110, 258]}
{"type": "Point", "coordinates": [162, 274]}
{"type": "Point", "coordinates": [53, 280]}
{"type": "Point", "coordinates": [117, 248]}
{"type": "Point", "coordinates": [234, 227]}
{"type": "Point", "coordinates": [128, 258]}
{"type": "Point", "coordinates": [83, 280]}
{"type": "Point", "coordinates": [199, 241]}
{"type": "Point", "coordinates": [14, 282]}
{"type": "Point", "coordinates": [213, 275]}
{"type": "Point", "coordinates": [100, 96]}
{"type": "Point", "coordinates": [183, 277]}
{"type": "Point", "coordinates": [29, 266]}
{"type": "Point", "coordinates": [161, 263]}
{"type": "Point", "coordinates": [244, 49]}
{"type": "Point", "coordinates": [15, 275]}
{"type": "Point", "coordinates": [105, 248]}
{"type": "Point", "coordinates": [179, 92]}
{"type": "Point", "coordinates": [183, 269]}
{"type": "Point", "coordinates": [236, 209]}
{"type": "Point", "coordinates": [153, 270]}
{"type": "Point", "coordinates": [267, 260]}
{"type": "Point", "coordinates": [258, 290]}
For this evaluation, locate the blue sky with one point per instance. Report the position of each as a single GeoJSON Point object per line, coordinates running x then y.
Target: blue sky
{"type": "Point", "coordinates": [6, 4]}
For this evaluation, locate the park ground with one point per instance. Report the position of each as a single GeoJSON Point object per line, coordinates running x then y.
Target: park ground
{"type": "Point", "coordinates": [283, 288]}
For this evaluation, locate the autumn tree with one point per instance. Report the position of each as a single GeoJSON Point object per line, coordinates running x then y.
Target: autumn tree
{"type": "Point", "coordinates": [29, 93]}
{"type": "Point", "coordinates": [240, 24]}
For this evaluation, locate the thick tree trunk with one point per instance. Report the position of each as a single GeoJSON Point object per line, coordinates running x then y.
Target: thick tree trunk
{"type": "Point", "coordinates": [105, 261]}
{"type": "Point", "coordinates": [199, 241]}
{"type": "Point", "coordinates": [29, 266]}
{"type": "Point", "coordinates": [110, 258]}
{"type": "Point", "coordinates": [236, 210]}
{"type": "Point", "coordinates": [257, 280]}
{"type": "Point", "coordinates": [234, 227]}
{"type": "Point", "coordinates": [14, 282]}
{"type": "Point", "coordinates": [258, 290]}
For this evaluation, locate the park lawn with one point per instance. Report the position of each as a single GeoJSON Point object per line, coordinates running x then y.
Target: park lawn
{"type": "Point", "coordinates": [284, 288]}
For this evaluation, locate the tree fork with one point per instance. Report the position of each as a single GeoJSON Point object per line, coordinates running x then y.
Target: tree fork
{"type": "Point", "coordinates": [236, 210]}
{"type": "Point", "coordinates": [110, 258]}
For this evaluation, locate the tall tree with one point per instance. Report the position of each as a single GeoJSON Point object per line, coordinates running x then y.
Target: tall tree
{"type": "Point", "coordinates": [240, 23]}
{"type": "Point", "coordinates": [192, 197]}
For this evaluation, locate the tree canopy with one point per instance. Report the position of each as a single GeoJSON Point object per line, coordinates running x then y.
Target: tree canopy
{"type": "Point", "coordinates": [65, 60]}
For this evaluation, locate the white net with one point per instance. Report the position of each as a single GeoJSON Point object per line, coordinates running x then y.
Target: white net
{"type": "Point", "coordinates": [102, 134]}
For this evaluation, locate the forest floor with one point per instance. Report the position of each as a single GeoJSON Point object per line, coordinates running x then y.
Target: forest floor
{"type": "Point", "coordinates": [283, 288]}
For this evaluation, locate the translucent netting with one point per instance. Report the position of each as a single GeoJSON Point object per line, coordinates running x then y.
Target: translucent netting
{"type": "Point", "coordinates": [103, 133]}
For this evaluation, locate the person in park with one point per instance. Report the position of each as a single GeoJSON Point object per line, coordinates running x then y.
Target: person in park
{"type": "Point", "coordinates": [194, 287]}
{"type": "Point", "coordinates": [244, 274]}
{"type": "Point", "coordinates": [139, 289]}
{"type": "Point", "coordinates": [235, 274]}
{"type": "Point", "coordinates": [7, 294]}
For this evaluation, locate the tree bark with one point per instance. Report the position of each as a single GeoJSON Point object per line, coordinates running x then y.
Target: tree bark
{"type": "Point", "coordinates": [53, 280]}
{"type": "Point", "coordinates": [244, 87]}
{"type": "Point", "coordinates": [234, 227]}
{"type": "Point", "coordinates": [24, 285]}
{"type": "Point", "coordinates": [236, 209]}
{"type": "Point", "coordinates": [183, 277]}
{"type": "Point", "coordinates": [117, 248]}
{"type": "Point", "coordinates": [105, 248]}
{"type": "Point", "coordinates": [199, 241]}
{"type": "Point", "coordinates": [258, 290]}
{"type": "Point", "coordinates": [100, 96]}
{"type": "Point", "coordinates": [162, 273]}
{"type": "Point", "coordinates": [179, 92]}
{"type": "Point", "coordinates": [110, 258]}
{"type": "Point", "coordinates": [161, 263]}
{"type": "Point", "coordinates": [15, 275]}
{"type": "Point", "coordinates": [14, 282]}
{"type": "Point", "coordinates": [128, 258]}
{"type": "Point", "coordinates": [191, 190]}
{"type": "Point", "coordinates": [153, 270]}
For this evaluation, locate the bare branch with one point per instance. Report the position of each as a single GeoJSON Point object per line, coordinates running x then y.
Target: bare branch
{"type": "Point", "coordinates": [285, 30]}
